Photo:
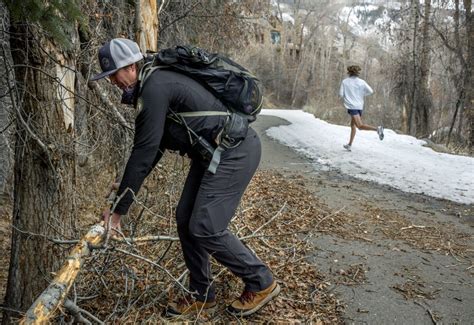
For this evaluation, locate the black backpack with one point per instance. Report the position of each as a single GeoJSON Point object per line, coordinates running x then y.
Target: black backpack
{"type": "Point", "coordinates": [234, 85]}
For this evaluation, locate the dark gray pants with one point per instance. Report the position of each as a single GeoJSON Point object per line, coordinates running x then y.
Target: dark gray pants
{"type": "Point", "coordinates": [206, 207]}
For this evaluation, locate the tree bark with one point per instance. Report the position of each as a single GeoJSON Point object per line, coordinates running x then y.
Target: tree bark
{"type": "Point", "coordinates": [458, 52]}
{"type": "Point", "coordinates": [6, 93]}
{"type": "Point", "coordinates": [146, 24]}
{"type": "Point", "coordinates": [465, 81]}
{"type": "Point", "coordinates": [414, 95]}
{"type": "Point", "coordinates": [425, 101]}
{"type": "Point", "coordinates": [469, 103]}
{"type": "Point", "coordinates": [421, 101]}
{"type": "Point", "coordinates": [44, 164]}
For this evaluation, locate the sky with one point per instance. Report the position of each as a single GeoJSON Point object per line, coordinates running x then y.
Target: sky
{"type": "Point", "coordinates": [400, 161]}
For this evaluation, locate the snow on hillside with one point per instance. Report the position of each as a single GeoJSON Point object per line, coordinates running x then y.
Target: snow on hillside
{"type": "Point", "coordinates": [372, 20]}
{"type": "Point", "coordinates": [399, 161]}
{"type": "Point", "coordinates": [365, 19]}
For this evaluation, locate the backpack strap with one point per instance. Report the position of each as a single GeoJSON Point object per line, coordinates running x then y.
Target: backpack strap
{"type": "Point", "coordinates": [223, 142]}
{"type": "Point", "coordinates": [145, 72]}
{"type": "Point", "coordinates": [216, 159]}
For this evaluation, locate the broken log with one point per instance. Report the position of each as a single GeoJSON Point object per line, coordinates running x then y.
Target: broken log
{"type": "Point", "coordinates": [44, 307]}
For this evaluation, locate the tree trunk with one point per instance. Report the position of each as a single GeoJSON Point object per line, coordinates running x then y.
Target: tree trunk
{"type": "Point", "coordinates": [469, 103]}
{"type": "Point", "coordinates": [44, 165]}
{"type": "Point", "coordinates": [6, 93]}
{"type": "Point", "coordinates": [414, 95]}
{"type": "Point", "coordinates": [421, 101]}
{"type": "Point", "coordinates": [146, 24]}
{"type": "Point", "coordinates": [425, 101]}
{"type": "Point", "coordinates": [460, 87]}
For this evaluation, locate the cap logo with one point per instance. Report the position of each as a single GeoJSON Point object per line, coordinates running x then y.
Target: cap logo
{"type": "Point", "coordinates": [105, 62]}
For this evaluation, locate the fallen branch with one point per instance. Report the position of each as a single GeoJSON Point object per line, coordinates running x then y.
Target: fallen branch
{"type": "Point", "coordinates": [53, 240]}
{"type": "Point", "coordinates": [145, 239]}
{"type": "Point", "coordinates": [77, 312]}
{"type": "Point", "coordinates": [412, 226]}
{"type": "Point", "coordinates": [120, 240]}
{"type": "Point", "coordinates": [53, 297]}
{"type": "Point", "coordinates": [157, 265]}
{"type": "Point", "coordinates": [329, 215]}
{"type": "Point", "coordinates": [429, 312]}
{"type": "Point", "coordinates": [108, 103]}
{"type": "Point", "coordinates": [265, 224]}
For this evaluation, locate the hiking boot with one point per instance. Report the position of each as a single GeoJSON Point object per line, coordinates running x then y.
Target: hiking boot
{"type": "Point", "coordinates": [380, 132]}
{"type": "Point", "coordinates": [347, 147]}
{"type": "Point", "coordinates": [250, 302]}
{"type": "Point", "coordinates": [187, 305]}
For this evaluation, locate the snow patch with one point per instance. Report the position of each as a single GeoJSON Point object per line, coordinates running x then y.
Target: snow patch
{"type": "Point", "coordinates": [400, 161]}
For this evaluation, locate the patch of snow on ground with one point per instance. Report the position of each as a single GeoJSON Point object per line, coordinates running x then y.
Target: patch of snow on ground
{"type": "Point", "coordinates": [400, 161]}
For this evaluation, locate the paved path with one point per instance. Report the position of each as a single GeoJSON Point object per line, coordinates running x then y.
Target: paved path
{"type": "Point", "coordinates": [444, 281]}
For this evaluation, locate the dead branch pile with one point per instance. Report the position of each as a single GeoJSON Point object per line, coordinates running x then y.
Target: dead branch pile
{"type": "Point", "coordinates": [131, 282]}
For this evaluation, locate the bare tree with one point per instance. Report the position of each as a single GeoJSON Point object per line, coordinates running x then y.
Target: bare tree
{"type": "Point", "coordinates": [53, 109]}
{"type": "Point", "coordinates": [469, 73]}
{"type": "Point", "coordinates": [459, 41]}
{"type": "Point", "coordinates": [422, 102]}
{"type": "Point", "coordinates": [44, 162]}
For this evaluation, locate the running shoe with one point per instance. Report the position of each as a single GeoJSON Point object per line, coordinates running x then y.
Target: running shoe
{"type": "Point", "coordinates": [380, 132]}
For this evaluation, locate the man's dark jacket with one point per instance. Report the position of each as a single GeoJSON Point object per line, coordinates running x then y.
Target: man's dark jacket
{"type": "Point", "coordinates": [154, 132]}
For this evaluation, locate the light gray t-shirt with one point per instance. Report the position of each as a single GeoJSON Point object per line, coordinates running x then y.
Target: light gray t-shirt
{"type": "Point", "coordinates": [353, 90]}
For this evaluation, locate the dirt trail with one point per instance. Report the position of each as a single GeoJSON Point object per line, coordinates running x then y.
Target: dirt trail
{"type": "Point", "coordinates": [404, 259]}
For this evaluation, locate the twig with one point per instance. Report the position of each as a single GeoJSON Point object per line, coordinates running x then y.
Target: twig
{"type": "Point", "coordinates": [53, 240]}
{"type": "Point", "coordinates": [312, 302]}
{"type": "Point", "coordinates": [154, 264]}
{"type": "Point", "coordinates": [105, 99]}
{"type": "Point", "coordinates": [329, 215]}
{"type": "Point", "coordinates": [282, 234]}
{"type": "Point", "coordinates": [265, 224]}
{"type": "Point", "coordinates": [363, 238]}
{"type": "Point", "coordinates": [16, 311]}
{"type": "Point", "coordinates": [207, 291]}
{"type": "Point", "coordinates": [412, 226]}
{"type": "Point", "coordinates": [355, 274]}
{"type": "Point", "coordinates": [433, 318]}
{"type": "Point", "coordinates": [63, 241]}
{"type": "Point", "coordinates": [145, 239]}
{"type": "Point", "coordinates": [77, 312]}
{"type": "Point", "coordinates": [114, 206]}
{"type": "Point", "coordinates": [452, 253]}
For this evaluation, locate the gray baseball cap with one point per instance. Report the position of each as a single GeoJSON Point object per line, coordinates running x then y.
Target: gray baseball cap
{"type": "Point", "coordinates": [116, 54]}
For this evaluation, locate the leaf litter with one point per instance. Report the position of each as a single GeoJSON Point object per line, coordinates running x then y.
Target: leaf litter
{"type": "Point", "coordinates": [276, 217]}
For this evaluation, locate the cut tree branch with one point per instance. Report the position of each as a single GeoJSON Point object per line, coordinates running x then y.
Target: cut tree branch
{"type": "Point", "coordinates": [53, 297]}
{"type": "Point", "coordinates": [109, 104]}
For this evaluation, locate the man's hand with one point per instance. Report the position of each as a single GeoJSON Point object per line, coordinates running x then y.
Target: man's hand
{"type": "Point", "coordinates": [112, 223]}
{"type": "Point", "coordinates": [113, 188]}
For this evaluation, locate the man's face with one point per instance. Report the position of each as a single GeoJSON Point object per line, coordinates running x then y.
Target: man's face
{"type": "Point", "coordinates": [125, 77]}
